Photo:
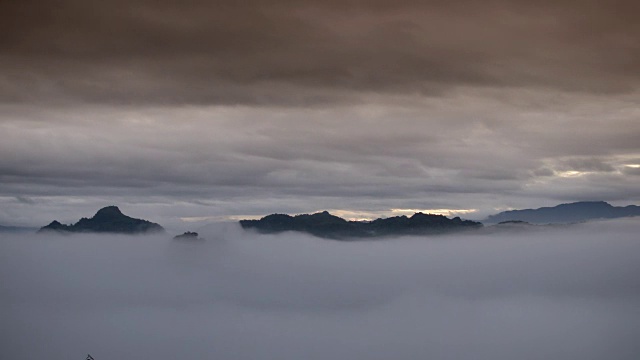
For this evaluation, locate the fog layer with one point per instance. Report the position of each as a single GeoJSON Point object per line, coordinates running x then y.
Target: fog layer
{"type": "Point", "coordinates": [552, 294]}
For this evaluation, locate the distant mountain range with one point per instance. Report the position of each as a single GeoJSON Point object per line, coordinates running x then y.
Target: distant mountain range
{"type": "Point", "coordinates": [566, 213]}
{"type": "Point", "coordinates": [107, 220]}
{"type": "Point", "coordinates": [325, 225]}
{"type": "Point", "coordinates": [111, 220]}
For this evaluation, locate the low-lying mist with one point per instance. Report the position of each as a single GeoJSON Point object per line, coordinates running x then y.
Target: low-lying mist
{"type": "Point", "coordinates": [571, 293]}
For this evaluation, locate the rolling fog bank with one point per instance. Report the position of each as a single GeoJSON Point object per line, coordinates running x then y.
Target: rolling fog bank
{"type": "Point", "coordinates": [560, 293]}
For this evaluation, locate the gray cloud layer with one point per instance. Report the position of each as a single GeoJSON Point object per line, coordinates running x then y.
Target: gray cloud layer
{"type": "Point", "coordinates": [225, 108]}
{"type": "Point", "coordinates": [251, 161]}
{"type": "Point", "coordinates": [563, 294]}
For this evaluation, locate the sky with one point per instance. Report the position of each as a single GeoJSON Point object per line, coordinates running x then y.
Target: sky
{"type": "Point", "coordinates": [559, 294]}
{"type": "Point", "coordinates": [189, 112]}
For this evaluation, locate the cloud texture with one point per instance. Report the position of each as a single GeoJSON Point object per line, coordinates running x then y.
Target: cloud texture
{"type": "Point", "coordinates": [557, 294]}
{"type": "Point", "coordinates": [298, 52]}
{"type": "Point", "coordinates": [237, 109]}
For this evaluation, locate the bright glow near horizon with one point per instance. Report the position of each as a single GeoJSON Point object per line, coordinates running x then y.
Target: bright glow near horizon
{"type": "Point", "coordinates": [571, 173]}
{"type": "Point", "coordinates": [445, 212]}
{"type": "Point", "coordinates": [351, 215]}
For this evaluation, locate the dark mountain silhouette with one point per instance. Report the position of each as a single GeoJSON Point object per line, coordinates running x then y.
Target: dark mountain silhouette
{"type": "Point", "coordinates": [189, 235]}
{"type": "Point", "coordinates": [567, 213]}
{"type": "Point", "coordinates": [107, 220]}
{"type": "Point", "coordinates": [325, 225]}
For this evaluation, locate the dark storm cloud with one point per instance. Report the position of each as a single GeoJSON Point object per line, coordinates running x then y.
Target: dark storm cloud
{"type": "Point", "coordinates": [303, 52]}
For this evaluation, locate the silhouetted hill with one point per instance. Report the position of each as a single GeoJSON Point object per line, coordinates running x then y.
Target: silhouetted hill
{"type": "Point", "coordinates": [107, 220]}
{"type": "Point", "coordinates": [567, 213]}
{"type": "Point", "coordinates": [189, 235]}
{"type": "Point", "coordinates": [326, 225]}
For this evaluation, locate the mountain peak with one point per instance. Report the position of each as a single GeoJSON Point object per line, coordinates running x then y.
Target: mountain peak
{"type": "Point", "coordinates": [109, 211]}
{"type": "Point", "coordinates": [322, 214]}
{"type": "Point", "coordinates": [107, 220]}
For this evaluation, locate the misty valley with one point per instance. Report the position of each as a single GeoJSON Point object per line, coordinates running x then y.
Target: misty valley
{"type": "Point", "coordinates": [510, 291]}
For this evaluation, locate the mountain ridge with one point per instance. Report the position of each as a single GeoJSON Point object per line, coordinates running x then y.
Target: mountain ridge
{"type": "Point", "coordinates": [325, 225]}
{"type": "Point", "coordinates": [566, 213]}
{"type": "Point", "coordinates": [107, 220]}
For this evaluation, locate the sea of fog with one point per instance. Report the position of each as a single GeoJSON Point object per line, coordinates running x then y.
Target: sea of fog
{"type": "Point", "coordinates": [561, 293]}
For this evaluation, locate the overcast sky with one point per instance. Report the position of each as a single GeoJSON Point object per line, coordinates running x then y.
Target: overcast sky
{"type": "Point", "coordinates": [194, 111]}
